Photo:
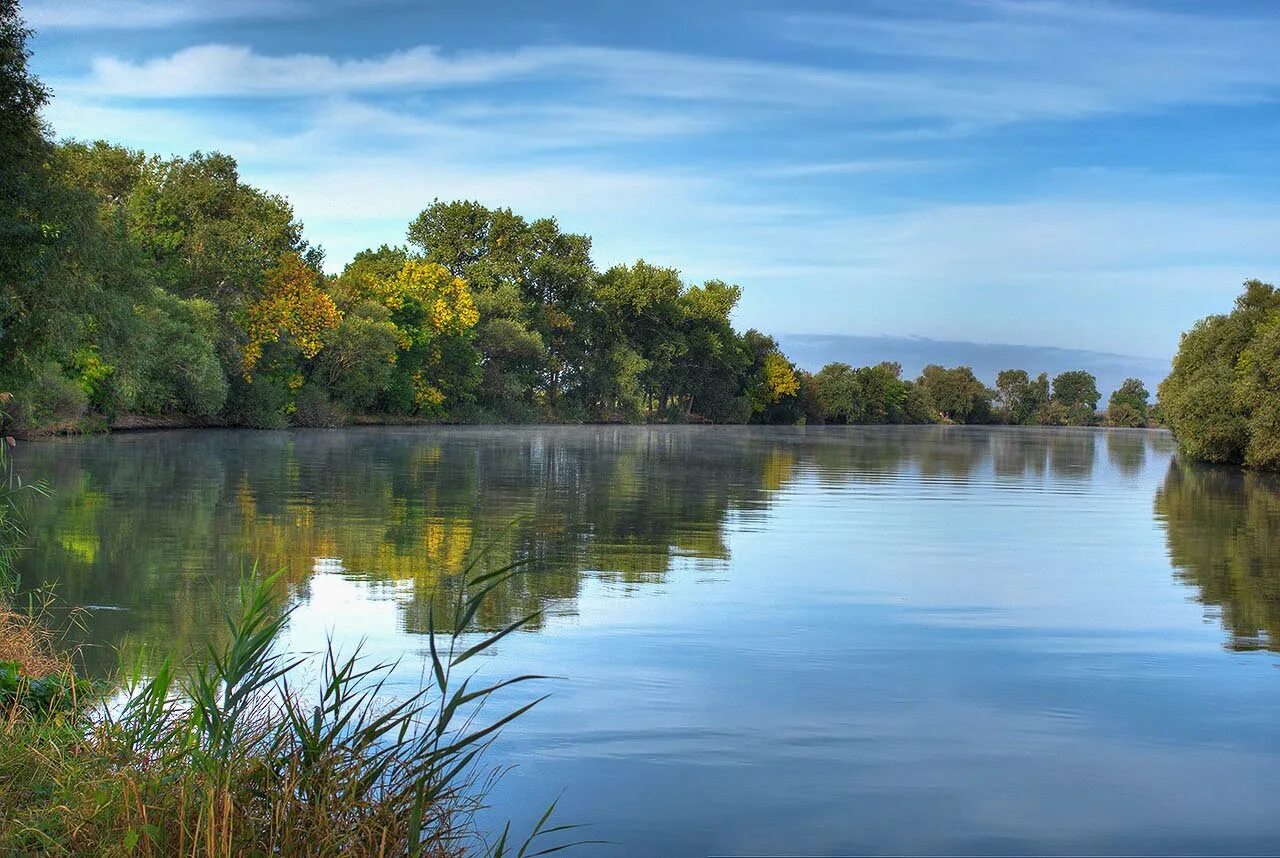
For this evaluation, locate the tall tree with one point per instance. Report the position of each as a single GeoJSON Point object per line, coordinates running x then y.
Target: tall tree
{"type": "Point", "coordinates": [957, 393]}
{"type": "Point", "coordinates": [1220, 397]}
{"type": "Point", "coordinates": [1129, 404]}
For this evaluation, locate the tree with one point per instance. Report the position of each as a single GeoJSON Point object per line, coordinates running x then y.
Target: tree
{"type": "Point", "coordinates": [550, 269]}
{"type": "Point", "coordinates": [640, 305]}
{"type": "Point", "coordinates": [359, 357]}
{"type": "Point", "coordinates": [24, 183]}
{"type": "Point", "coordinates": [1076, 387]}
{"type": "Point", "coordinates": [917, 406]}
{"type": "Point", "coordinates": [883, 393]}
{"type": "Point", "coordinates": [50, 252]}
{"type": "Point", "coordinates": [1011, 388]}
{"type": "Point", "coordinates": [361, 278]}
{"type": "Point", "coordinates": [1129, 404]}
{"type": "Point", "coordinates": [293, 311]}
{"type": "Point", "coordinates": [1220, 397]}
{"type": "Point", "coordinates": [435, 317]}
{"type": "Point", "coordinates": [1021, 399]}
{"type": "Point", "coordinates": [210, 235]}
{"type": "Point", "coordinates": [957, 393]}
{"type": "Point", "coordinates": [839, 393]}
{"type": "Point", "coordinates": [779, 378]}
{"type": "Point", "coordinates": [176, 369]}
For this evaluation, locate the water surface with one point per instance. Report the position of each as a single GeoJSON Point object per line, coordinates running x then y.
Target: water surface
{"type": "Point", "coordinates": [822, 640]}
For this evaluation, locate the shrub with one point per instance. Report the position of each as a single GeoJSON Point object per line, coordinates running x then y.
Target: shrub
{"type": "Point", "coordinates": [314, 408]}
{"type": "Point", "coordinates": [49, 397]}
{"type": "Point", "coordinates": [261, 404]}
{"type": "Point", "coordinates": [178, 368]}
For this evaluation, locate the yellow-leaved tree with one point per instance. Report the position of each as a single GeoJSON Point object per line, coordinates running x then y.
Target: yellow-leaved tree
{"type": "Point", "coordinates": [293, 309]}
{"type": "Point", "coordinates": [434, 315]}
{"type": "Point", "coordinates": [779, 377]}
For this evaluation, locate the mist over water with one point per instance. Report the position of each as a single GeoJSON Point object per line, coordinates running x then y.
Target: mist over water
{"type": "Point", "coordinates": [853, 639]}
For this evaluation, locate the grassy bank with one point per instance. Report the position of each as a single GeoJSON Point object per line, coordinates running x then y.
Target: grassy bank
{"type": "Point", "coordinates": [251, 751]}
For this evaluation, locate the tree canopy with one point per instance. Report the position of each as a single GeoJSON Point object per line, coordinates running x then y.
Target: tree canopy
{"type": "Point", "coordinates": [1222, 398]}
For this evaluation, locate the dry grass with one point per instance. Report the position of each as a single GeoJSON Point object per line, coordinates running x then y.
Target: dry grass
{"type": "Point", "coordinates": [28, 643]}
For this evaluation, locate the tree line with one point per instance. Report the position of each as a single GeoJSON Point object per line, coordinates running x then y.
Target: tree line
{"type": "Point", "coordinates": [839, 393]}
{"type": "Point", "coordinates": [169, 287]}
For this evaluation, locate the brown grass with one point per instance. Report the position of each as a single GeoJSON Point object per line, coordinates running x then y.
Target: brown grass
{"type": "Point", "coordinates": [30, 644]}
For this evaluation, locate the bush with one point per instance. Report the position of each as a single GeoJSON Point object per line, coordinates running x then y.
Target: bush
{"type": "Point", "coordinates": [262, 403]}
{"type": "Point", "coordinates": [359, 357]}
{"type": "Point", "coordinates": [48, 398]}
{"type": "Point", "coordinates": [178, 368]}
{"type": "Point", "coordinates": [314, 408]}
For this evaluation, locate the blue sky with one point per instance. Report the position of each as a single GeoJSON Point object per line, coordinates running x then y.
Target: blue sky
{"type": "Point", "coordinates": [1088, 175]}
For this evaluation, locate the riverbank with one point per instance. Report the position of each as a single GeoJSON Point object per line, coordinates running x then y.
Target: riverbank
{"type": "Point", "coordinates": [128, 423]}
{"type": "Point", "coordinates": [247, 750]}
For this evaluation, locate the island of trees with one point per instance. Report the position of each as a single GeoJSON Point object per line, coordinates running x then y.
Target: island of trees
{"type": "Point", "coordinates": [140, 289]}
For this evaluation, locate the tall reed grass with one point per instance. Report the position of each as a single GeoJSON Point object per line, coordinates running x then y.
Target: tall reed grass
{"type": "Point", "coordinates": [14, 496]}
{"type": "Point", "coordinates": [240, 752]}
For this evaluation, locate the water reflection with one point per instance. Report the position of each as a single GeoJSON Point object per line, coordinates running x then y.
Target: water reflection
{"type": "Point", "coordinates": [155, 529]}
{"type": "Point", "coordinates": [1223, 530]}
{"type": "Point", "coordinates": [1127, 450]}
{"type": "Point", "coordinates": [932, 640]}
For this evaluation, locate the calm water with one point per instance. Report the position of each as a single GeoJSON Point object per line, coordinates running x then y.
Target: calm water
{"type": "Point", "coordinates": [798, 641]}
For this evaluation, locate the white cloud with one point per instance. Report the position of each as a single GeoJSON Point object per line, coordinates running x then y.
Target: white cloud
{"type": "Point", "coordinates": [995, 63]}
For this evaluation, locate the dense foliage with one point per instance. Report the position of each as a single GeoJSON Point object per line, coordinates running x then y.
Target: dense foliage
{"type": "Point", "coordinates": [139, 287]}
{"type": "Point", "coordinates": [1222, 399]}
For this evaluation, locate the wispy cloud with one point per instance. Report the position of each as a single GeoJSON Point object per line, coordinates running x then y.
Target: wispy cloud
{"type": "Point", "coordinates": [1075, 57]}
{"type": "Point", "coordinates": [989, 63]}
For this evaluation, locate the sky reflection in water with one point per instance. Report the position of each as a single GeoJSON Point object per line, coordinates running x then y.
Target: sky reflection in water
{"type": "Point", "coordinates": [935, 639]}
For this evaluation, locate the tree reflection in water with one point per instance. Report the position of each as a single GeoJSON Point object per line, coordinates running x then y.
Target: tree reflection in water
{"type": "Point", "coordinates": [1223, 531]}
{"type": "Point", "coordinates": [158, 526]}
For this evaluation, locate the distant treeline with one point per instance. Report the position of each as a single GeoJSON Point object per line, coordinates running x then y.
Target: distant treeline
{"type": "Point", "coordinates": [138, 285]}
{"type": "Point", "coordinates": [840, 393]}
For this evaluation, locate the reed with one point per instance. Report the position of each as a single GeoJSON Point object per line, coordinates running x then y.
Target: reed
{"type": "Point", "coordinates": [240, 753]}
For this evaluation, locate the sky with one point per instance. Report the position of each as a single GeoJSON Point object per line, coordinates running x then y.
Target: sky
{"type": "Point", "coordinates": [1089, 175]}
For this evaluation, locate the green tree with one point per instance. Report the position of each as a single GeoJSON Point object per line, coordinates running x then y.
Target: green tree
{"type": "Point", "coordinates": [1129, 404]}
{"type": "Point", "coordinates": [883, 393]}
{"type": "Point", "coordinates": [839, 393]}
{"type": "Point", "coordinates": [25, 185]}
{"type": "Point", "coordinates": [1220, 397]}
{"type": "Point", "coordinates": [957, 393]}
{"type": "Point", "coordinates": [177, 369]}
{"type": "Point", "coordinates": [1077, 392]}
{"type": "Point", "coordinates": [359, 356]}
{"type": "Point", "coordinates": [917, 405]}
{"type": "Point", "coordinates": [550, 269]}
{"type": "Point", "coordinates": [1020, 398]}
